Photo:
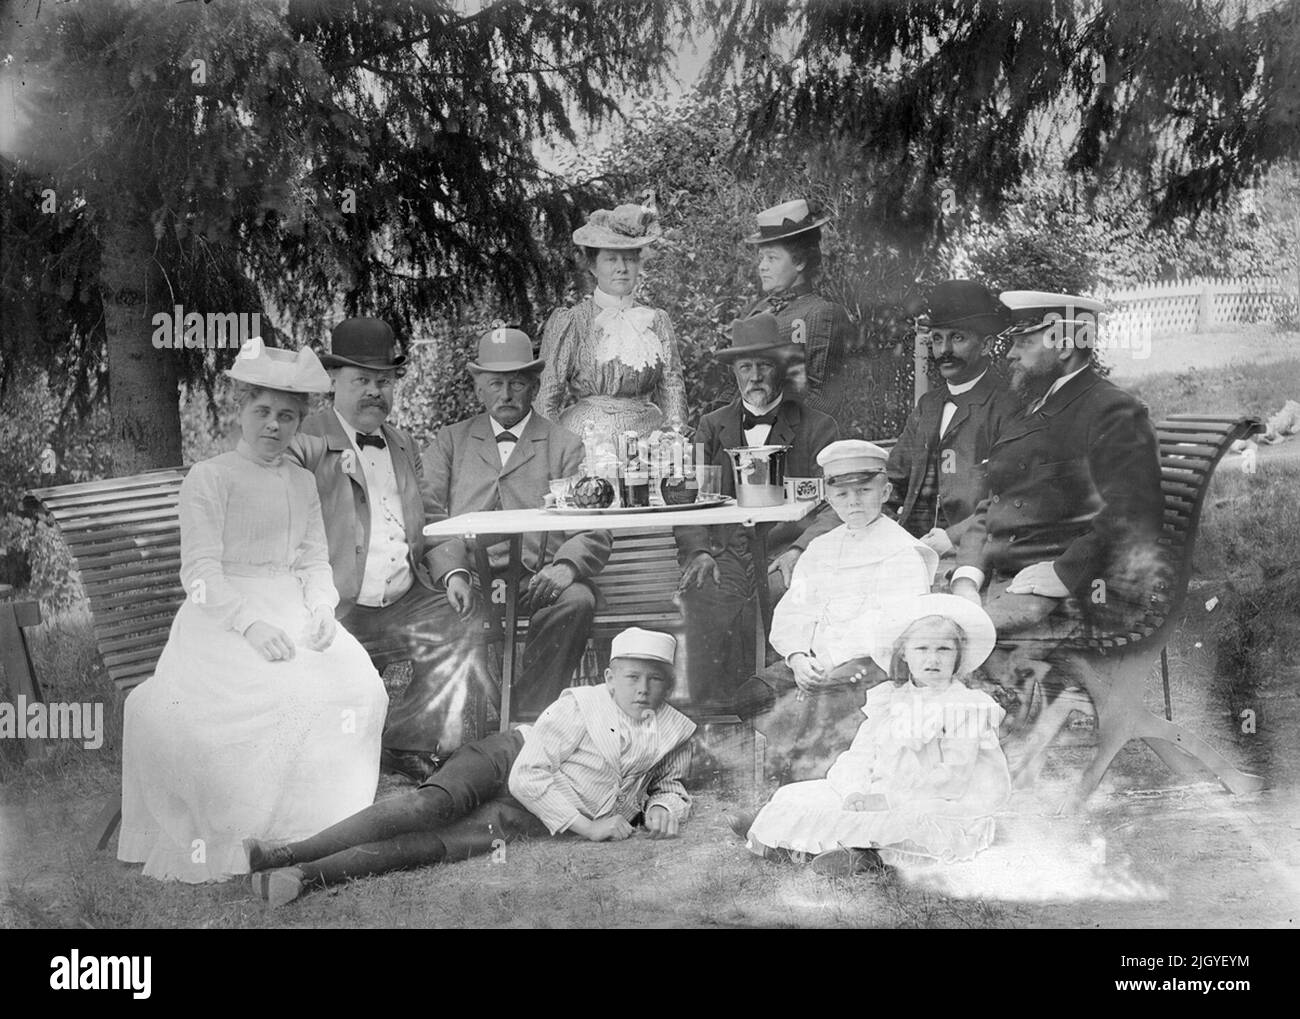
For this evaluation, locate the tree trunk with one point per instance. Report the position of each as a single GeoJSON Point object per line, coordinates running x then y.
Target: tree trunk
{"type": "Point", "coordinates": [143, 398]}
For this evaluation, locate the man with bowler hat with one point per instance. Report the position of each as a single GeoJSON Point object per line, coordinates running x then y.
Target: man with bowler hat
{"type": "Point", "coordinates": [935, 469]}
{"type": "Point", "coordinates": [375, 504]}
{"type": "Point", "coordinates": [505, 458]}
{"type": "Point", "coordinates": [717, 571]}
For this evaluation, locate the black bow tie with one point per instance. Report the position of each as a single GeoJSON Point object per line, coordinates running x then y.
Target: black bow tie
{"type": "Point", "coordinates": [371, 440]}
{"type": "Point", "coordinates": [507, 437]}
{"type": "Point", "coordinates": [750, 420]}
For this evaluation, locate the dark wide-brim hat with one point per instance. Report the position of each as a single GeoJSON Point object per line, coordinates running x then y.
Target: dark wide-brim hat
{"type": "Point", "coordinates": [788, 219]}
{"type": "Point", "coordinates": [504, 349]}
{"type": "Point", "coordinates": [965, 304]}
{"type": "Point", "coordinates": [363, 343]}
{"type": "Point", "coordinates": [759, 336]}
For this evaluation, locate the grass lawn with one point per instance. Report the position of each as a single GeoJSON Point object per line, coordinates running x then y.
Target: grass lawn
{"type": "Point", "coordinates": [1151, 850]}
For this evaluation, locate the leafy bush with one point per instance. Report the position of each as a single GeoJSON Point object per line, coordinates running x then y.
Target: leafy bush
{"type": "Point", "coordinates": [40, 448]}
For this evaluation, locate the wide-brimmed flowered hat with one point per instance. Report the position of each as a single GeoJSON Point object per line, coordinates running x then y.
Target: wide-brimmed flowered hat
{"type": "Point", "coordinates": [628, 226]}
{"type": "Point", "coordinates": [290, 371]}
{"type": "Point", "coordinates": [785, 220]}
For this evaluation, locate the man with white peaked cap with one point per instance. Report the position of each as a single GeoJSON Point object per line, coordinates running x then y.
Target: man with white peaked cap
{"type": "Point", "coordinates": [1074, 505]}
{"type": "Point", "coordinates": [825, 627]}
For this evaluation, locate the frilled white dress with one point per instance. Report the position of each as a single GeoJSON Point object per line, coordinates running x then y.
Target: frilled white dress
{"type": "Point", "coordinates": [933, 755]}
{"type": "Point", "coordinates": [221, 744]}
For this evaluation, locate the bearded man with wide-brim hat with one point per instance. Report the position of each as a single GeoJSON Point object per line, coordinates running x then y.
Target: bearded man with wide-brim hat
{"type": "Point", "coordinates": [717, 570]}
{"type": "Point", "coordinates": [1068, 529]}
{"type": "Point", "coordinates": [375, 504]}
{"type": "Point", "coordinates": [788, 243]}
{"type": "Point", "coordinates": [935, 468]}
{"type": "Point", "coordinates": [505, 459]}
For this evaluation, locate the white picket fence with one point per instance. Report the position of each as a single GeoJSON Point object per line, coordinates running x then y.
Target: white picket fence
{"type": "Point", "coordinates": [1196, 305]}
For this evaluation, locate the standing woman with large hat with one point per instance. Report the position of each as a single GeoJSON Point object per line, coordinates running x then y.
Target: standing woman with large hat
{"type": "Point", "coordinates": [263, 716]}
{"type": "Point", "coordinates": [789, 261]}
{"type": "Point", "coordinates": [610, 360]}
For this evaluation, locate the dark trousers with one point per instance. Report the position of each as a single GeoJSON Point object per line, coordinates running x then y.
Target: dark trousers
{"type": "Point", "coordinates": [719, 629]}
{"type": "Point", "coordinates": [435, 714]}
{"type": "Point", "coordinates": [449, 670]}
{"type": "Point", "coordinates": [805, 731]}
{"type": "Point", "coordinates": [464, 810]}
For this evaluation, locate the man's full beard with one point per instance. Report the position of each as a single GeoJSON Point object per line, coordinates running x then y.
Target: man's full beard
{"type": "Point", "coordinates": [1029, 385]}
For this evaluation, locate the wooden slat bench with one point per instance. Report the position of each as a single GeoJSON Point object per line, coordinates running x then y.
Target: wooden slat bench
{"type": "Point", "coordinates": [1114, 667]}
{"type": "Point", "coordinates": [124, 536]}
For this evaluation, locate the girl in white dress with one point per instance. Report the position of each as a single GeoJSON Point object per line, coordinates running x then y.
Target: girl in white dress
{"type": "Point", "coordinates": [925, 772]}
{"type": "Point", "coordinates": [262, 715]}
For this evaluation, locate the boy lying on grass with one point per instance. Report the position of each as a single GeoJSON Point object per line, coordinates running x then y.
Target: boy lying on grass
{"type": "Point", "coordinates": [596, 761]}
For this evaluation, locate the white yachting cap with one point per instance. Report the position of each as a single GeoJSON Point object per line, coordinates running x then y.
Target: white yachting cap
{"type": "Point", "coordinates": [1032, 310]}
{"type": "Point", "coordinates": [846, 457]}
{"type": "Point", "coordinates": [635, 642]}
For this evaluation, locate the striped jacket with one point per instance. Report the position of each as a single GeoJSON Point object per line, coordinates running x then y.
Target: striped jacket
{"type": "Point", "coordinates": [569, 764]}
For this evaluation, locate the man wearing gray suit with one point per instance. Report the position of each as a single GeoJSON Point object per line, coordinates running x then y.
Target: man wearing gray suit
{"type": "Point", "coordinates": [505, 458]}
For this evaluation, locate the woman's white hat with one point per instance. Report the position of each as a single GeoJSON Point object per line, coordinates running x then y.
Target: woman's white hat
{"type": "Point", "coordinates": [286, 370]}
{"type": "Point", "coordinates": [974, 621]}
{"type": "Point", "coordinates": [785, 220]}
{"type": "Point", "coordinates": [635, 642]}
{"type": "Point", "coordinates": [628, 226]}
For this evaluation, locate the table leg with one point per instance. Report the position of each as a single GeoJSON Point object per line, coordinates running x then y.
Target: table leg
{"type": "Point", "coordinates": [764, 597]}
{"type": "Point", "coordinates": [512, 619]}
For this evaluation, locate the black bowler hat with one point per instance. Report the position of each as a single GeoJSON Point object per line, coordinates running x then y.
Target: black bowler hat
{"type": "Point", "coordinates": [363, 343]}
{"type": "Point", "coordinates": [965, 304]}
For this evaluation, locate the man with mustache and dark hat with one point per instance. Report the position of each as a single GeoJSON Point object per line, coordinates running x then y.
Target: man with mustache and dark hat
{"type": "Point", "coordinates": [375, 504]}
{"type": "Point", "coordinates": [935, 468]}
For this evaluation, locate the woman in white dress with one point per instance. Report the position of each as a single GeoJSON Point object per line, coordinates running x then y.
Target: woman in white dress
{"type": "Point", "coordinates": [263, 716]}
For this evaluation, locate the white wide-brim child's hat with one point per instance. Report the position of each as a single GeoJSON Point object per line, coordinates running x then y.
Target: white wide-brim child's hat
{"type": "Point", "coordinates": [974, 621]}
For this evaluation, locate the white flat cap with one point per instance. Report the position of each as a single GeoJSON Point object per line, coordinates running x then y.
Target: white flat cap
{"type": "Point", "coordinates": [845, 458]}
{"type": "Point", "coordinates": [635, 642]}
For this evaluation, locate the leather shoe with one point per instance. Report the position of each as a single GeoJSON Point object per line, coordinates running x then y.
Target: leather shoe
{"type": "Point", "coordinates": [416, 764]}
{"type": "Point", "coordinates": [267, 855]}
{"type": "Point", "coordinates": [846, 862]}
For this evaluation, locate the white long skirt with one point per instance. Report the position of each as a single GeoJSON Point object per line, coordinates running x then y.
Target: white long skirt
{"type": "Point", "coordinates": [220, 744]}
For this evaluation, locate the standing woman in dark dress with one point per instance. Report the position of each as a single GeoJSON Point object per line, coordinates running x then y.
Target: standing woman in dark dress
{"type": "Point", "coordinates": [789, 261]}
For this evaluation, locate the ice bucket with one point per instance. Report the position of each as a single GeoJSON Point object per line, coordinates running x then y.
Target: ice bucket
{"type": "Point", "coordinates": [760, 474]}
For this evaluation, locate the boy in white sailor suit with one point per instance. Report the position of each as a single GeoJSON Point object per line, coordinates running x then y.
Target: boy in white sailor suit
{"type": "Point", "coordinates": [807, 704]}
{"type": "Point", "coordinates": [597, 761]}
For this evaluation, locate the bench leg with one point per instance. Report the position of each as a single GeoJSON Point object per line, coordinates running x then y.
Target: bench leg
{"type": "Point", "coordinates": [105, 824]}
{"type": "Point", "coordinates": [1115, 684]}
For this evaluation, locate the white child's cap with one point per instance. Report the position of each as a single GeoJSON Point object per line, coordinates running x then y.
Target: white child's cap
{"type": "Point", "coordinates": [974, 621]}
{"type": "Point", "coordinates": [851, 460]}
{"type": "Point", "coordinates": [635, 642]}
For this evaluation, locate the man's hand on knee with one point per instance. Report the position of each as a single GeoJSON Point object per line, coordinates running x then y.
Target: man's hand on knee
{"type": "Point", "coordinates": [460, 595]}
{"type": "Point", "coordinates": [700, 567]}
{"type": "Point", "coordinates": [1039, 579]}
{"type": "Point", "coordinates": [549, 583]}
